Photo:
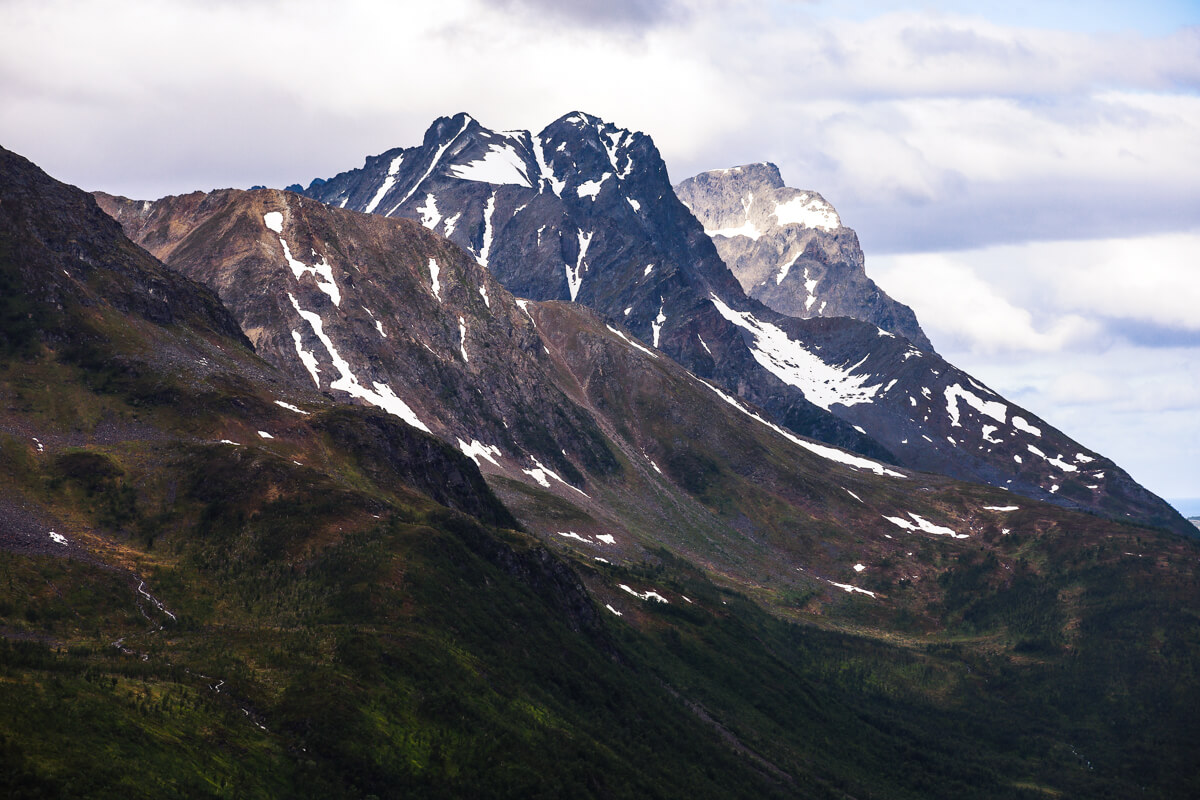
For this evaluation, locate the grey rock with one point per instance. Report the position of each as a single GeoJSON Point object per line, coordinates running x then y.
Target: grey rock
{"type": "Point", "coordinates": [789, 249]}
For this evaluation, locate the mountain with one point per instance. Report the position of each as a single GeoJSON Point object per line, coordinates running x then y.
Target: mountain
{"type": "Point", "coordinates": [789, 249]}
{"type": "Point", "coordinates": [223, 578]}
{"type": "Point", "coordinates": [383, 311]}
{"type": "Point", "coordinates": [584, 211]}
{"type": "Point", "coordinates": [397, 317]}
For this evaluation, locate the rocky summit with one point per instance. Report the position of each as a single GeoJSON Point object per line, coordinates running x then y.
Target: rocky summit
{"type": "Point", "coordinates": [789, 249]}
{"type": "Point", "coordinates": [584, 211]}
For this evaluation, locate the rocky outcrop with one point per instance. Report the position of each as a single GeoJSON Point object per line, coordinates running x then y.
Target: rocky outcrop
{"type": "Point", "coordinates": [789, 249]}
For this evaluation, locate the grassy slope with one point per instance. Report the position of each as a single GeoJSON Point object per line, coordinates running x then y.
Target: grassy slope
{"type": "Point", "coordinates": [420, 650]}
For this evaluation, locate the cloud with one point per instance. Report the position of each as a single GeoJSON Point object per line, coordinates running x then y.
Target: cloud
{"type": "Point", "coordinates": [951, 173]}
{"type": "Point", "coordinates": [927, 131]}
{"type": "Point", "coordinates": [964, 312]}
{"type": "Point", "coordinates": [632, 15]}
{"type": "Point", "coordinates": [1068, 296]}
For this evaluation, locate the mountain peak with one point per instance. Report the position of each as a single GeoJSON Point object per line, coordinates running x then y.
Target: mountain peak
{"type": "Point", "coordinates": [789, 249]}
{"type": "Point", "coordinates": [749, 176]}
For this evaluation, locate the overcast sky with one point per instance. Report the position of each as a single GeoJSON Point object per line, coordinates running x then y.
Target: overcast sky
{"type": "Point", "coordinates": [1026, 175]}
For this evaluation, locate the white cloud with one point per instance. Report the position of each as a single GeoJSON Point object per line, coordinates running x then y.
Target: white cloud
{"type": "Point", "coordinates": [961, 310]}
{"type": "Point", "coordinates": [1043, 296]}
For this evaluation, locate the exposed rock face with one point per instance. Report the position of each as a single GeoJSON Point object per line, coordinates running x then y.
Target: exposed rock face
{"type": "Point", "coordinates": [583, 211]}
{"type": "Point", "coordinates": [789, 249]}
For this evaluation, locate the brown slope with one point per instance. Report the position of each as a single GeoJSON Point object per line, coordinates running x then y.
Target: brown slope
{"type": "Point", "coordinates": [394, 338]}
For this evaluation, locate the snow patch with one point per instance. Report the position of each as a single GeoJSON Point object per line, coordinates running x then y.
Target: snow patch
{"type": "Point", "coordinates": [486, 248]}
{"type": "Point", "coordinates": [430, 216]}
{"type": "Point", "coordinates": [747, 229]}
{"type": "Point", "coordinates": [822, 450]}
{"type": "Point", "coordinates": [483, 293]}
{"type": "Point", "coordinates": [850, 589]}
{"type": "Point", "coordinates": [613, 610]}
{"type": "Point", "coordinates": [1020, 424]}
{"type": "Point", "coordinates": [633, 342]}
{"type": "Point", "coordinates": [381, 396]}
{"type": "Point", "coordinates": [634, 204]}
{"type": "Point", "coordinates": [656, 325]}
{"type": "Point", "coordinates": [859, 567]}
{"type": "Point", "coordinates": [524, 306]}
{"type": "Point", "coordinates": [925, 525]}
{"type": "Point", "coordinates": [378, 324]}
{"type": "Point", "coordinates": [575, 277]}
{"type": "Point", "coordinates": [433, 278]}
{"type": "Point", "coordinates": [786, 268]}
{"type": "Point", "coordinates": [702, 344]}
{"type": "Point", "coordinates": [996, 410]}
{"type": "Point", "coordinates": [307, 359]}
{"type": "Point", "coordinates": [987, 432]}
{"type": "Point", "coordinates": [606, 538]}
{"type": "Point", "coordinates": [545, 170]}
{"type": "Point", "coordinates": [649, 594]}
{"type": "Point", "coordinates": [58, 538]}
{"type": "Point", "coordinates": [501, 164]}
{"type": "Point", "coordinates": [852, 494]}
{"type": "Point", "coordinates": [810, 284]}
{"type": "Point", "coordinates": [541, 473]}
{"type": "Point", "coordinates": [808, 210]}
{"type": "Point", "coordinates": [592, 188]}
{"type": "Point", "coordinates": [1001, 508]}
{"type": "Point", "coordinates": [822, 384]}
{"type": "Point", "coordinates": [265, 435]}
{"type": "Point", "coordinates": [274, 221]}
{"type": "Point", "coordinates": [388, 181]}
{"type": "Point", "coordinates": [291, 407]}
{"type": "Point", "coordinates": [462, 334]}
{"type": "Point", "coordinates": [322, 272]}
{"type": "Point", "coordinates": [613, 148]}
